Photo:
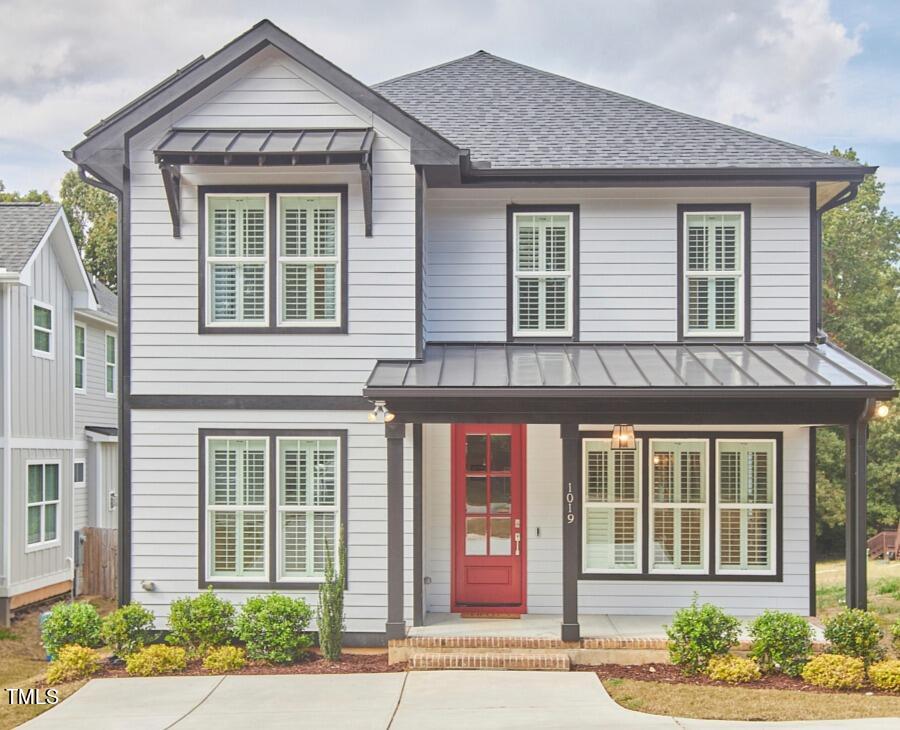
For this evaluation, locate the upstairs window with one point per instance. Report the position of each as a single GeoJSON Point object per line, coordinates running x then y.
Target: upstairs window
{"type": "Point", "coordinates": [79, 358]}
{"type": "Point", "coordinates": [42, 329]}
{"type": "Point", "coordinates": [713, 273]}
{"type": "Point", "coordinates": [236, 259]}
{"type": "Point", "coordinates": [542, 268]}
{"type": "Point", "coordinates": [309, 260]}
{"type": "Point", "coordinates": [110, 364]}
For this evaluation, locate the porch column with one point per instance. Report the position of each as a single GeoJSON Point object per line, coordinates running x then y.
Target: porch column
{"type": "Point", "coordinates": [394, 432]}
{"type": "Point", "coordinates": [571, 528]}
{"type": "Point", "coordinates": [857, 439]}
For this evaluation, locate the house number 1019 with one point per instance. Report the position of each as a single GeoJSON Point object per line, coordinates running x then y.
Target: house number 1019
{"type": "Point", "coordinates": [570, 500]}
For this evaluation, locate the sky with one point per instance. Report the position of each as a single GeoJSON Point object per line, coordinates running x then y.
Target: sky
{"type": "Point", "coordinates": [811, 72]}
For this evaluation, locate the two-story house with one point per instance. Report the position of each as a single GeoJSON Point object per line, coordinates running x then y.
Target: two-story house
{"type": "Point", "coordinates": [531, 346]}
{"type": "Point", "coordinates": [58, 451]}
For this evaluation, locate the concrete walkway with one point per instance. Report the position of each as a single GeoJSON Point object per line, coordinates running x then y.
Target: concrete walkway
{"type": "Point", "coordinates": [397, 701]}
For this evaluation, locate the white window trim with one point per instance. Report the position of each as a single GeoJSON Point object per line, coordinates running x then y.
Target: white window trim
{"type": "Point", "coordinates": [336, 259]}
{"type": "Point", "coordinates": [773, 506]}
{"type": "Point", "coordinates": [82, 484]}
{"type": "Point", "coordinates": [209, 574]}
{"type": "Point", "coordinates": [704, 507]}
{"type": "Point", "coordinates": [543, 274]}
{"type": "Point", "coordinates": [56, 542]}
{"type": "Point", "coordinates": [113, 365]}
{"type": "Point", "coordinates": [280, 509]}
{"type": "Point", "coordinates": [51, 354]}
{"type": "Point", "coordinates": [737, 274]}
{"type": "Point", "coordinates": [638, 506]}
{"type": "Point", "coordinates": [212, 260]}
{"type": "Point", "coordinates": [76, 357]}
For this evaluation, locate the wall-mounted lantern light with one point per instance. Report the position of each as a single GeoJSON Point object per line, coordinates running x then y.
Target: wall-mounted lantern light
{"type": "Point", "coordinates": [623, 437]}
{"type": "Point", "coordinates": [882, 410]}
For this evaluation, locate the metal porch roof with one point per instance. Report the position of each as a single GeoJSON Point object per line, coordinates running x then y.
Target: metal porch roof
{"type": "Point", "coordinates": [578, 369]}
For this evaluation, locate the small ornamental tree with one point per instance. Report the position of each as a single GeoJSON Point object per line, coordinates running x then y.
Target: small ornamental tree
{"type": "Point", "coordinates": [330, 611]}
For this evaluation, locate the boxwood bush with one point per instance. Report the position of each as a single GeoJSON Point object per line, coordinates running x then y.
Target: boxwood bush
{"type": "Point", "coordinates": [699, 633]}
{"type": "Point", "coordinates": [855, 633]}
{"type": "Point", "coordinates": [781, 642]}
{"type": "Point", "coordinates": [156, 659]}
{"type": "Point", "coordinates": [201, 622]}
{"type": "Point", "coordinates": [733, 669]}
{"type": "Point", "coordinates": [224, 659]}
{"type": "Point", "coordinates": [835, 671]}
{"type": "Point", "coordinates": [885, 675]}
{"type": "Point", "coordinates": [70, 623]}
{"type": "Point", "coordinates": [273, 627]}
{"type": "Point", "coordinates": [73, 662]}
{"type": "Point", "coordinates": [127, 629]}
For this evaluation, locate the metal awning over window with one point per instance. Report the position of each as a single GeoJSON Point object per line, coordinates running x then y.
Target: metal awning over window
{"type": "Point", "coordinates": [257, 147]}
{"type": "Point", "coordinates": [629, 371]}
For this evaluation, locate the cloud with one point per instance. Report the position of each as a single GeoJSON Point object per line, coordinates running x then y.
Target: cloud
{"type": "Point", "coordinates": [781, 67]}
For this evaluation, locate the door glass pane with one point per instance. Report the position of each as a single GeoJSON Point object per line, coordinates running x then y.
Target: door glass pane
{"type": "Point", "coordinates": [501, 448]}
{"type": "Point", "coordinates": [476, 537]}
{"type": "Point", "coordinates": [476, 494]}
{"type": "Point", "coordinates": [501, 541]}
{"type": "Point", "coordinates": [476, 453]}
{"type": "Point", "coordinates": [500, 494]}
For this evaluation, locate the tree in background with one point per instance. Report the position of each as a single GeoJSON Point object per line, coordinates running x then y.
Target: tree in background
{"type": "Point", "coordinates": [861, 311]}
{"type": "Point", "coordinates": [32, 196]}
{"type": "Point", "coordinates": [92, 216]}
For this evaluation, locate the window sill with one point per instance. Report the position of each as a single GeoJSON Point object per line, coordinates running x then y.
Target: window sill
{"type": "Point", "coordinates": [238, 585]}
{"type": "Point", "coordinates": [39, 546]}
{"type": "Point", "coordinates": [43, 355]}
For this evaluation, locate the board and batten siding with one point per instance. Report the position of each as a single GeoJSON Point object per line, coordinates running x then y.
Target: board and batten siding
{"type": "Point", "coordinates": [164, 520]}
{"type": "Point", "coordinates": [168, 354]}
{"type": "Point", "coordinates": [628, 260]}
{"type": "Point", "coordinates": [544, 553]}
{"type": "Point", "coordinates": [94, 407]}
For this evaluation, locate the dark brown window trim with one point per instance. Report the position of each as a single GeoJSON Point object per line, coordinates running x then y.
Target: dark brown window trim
{"type": "Point", "coordinates": [575, 210]}
{"type": "Point", "coordinates": [271, 325]}
{"type": "Point", "coordinates": [744, 208]}
{"type": "Point", "coordinates": [272, 565]}
{"type": "Point", "coordinates": [711, 575]}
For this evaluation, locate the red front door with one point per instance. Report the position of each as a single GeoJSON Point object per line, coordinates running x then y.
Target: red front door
{"type": "Point", "coordinates": [488, 485]}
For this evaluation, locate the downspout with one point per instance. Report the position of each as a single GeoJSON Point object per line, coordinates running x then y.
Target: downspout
{"type": "Point", "coordinates": [846, 196]}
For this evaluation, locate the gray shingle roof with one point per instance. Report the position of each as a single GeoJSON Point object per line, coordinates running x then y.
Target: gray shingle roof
{"type": "Point", "coordinates": [22, 226]}
{"type": "Point", "coordinates": [516, 117]}
{"type": "Point", "coordinates": [106, 298]}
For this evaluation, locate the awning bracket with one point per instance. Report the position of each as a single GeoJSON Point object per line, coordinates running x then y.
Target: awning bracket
{"type": "Point", "coordinates": [171, 175]}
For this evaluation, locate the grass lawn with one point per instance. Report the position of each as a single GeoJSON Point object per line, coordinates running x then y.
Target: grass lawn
{"type": "Point", "coordinates": [23, 663]}
{"type": "Point", "coordinates": [884, 591]}
{"type": "Point", "coordinates": [736, 703]}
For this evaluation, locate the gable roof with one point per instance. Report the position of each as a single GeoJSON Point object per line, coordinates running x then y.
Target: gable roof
{"type": "Point", "coordinates": [514, 117]}
{"type": "Point", "coordinates": [107, 301]}
{"type": "Point", "coordinates": [22, 228]}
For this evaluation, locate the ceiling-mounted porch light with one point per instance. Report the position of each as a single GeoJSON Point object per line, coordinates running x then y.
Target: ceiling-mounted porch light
{"type": "Point", "coordinates": [623, 437]}
{"type": "Point", "coordinates": [380, 409]}
{"type": "Point", "coordinates": [882, 410]}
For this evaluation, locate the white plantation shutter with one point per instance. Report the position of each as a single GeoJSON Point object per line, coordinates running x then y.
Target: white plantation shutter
{"type": "Point", "coordinates": [713, 272]}
{"type": "Point", "coordinates": [237, 488]}
{"type": "Point", "coordinates": [236, 255]}
{"type": "Point", "coordinates": [611, 494]}
{"type": "Point", "coordinates": [308, 505]}
{"type": "Point", "coordinates": [678, 490]}
{"type": "Point", "coordinates": [309, 259]}
{"type": "Point", "coordinates": [543, 274]}
{"type": "Point", "coordinates": [746, 505]}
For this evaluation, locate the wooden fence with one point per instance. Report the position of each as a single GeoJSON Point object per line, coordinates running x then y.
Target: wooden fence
{"type": "Point", "coordinates": [101, 557]}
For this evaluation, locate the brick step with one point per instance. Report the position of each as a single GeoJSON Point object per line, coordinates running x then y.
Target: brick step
{"type": "Point", "coordinates": [425, 660]}
{"type": "Point", "coordinates": [524, 643]}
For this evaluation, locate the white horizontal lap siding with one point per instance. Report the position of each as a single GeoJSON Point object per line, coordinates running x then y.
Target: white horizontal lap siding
{"type": "Point", "coordinates": [94, 407]}
{"type": "Point", "coordinates": [165, 503]}
{"type": "Point", "coordinates": [628, 260]}
{"type": "Point", "coordinates": [544, 553]}
{"type": "Point", "coordinates": [168, 356]}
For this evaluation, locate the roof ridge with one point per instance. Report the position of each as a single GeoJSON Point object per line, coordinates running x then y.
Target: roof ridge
{"type": "Point", "coordinates": [650, 104]}
{"type": "Point", "coordinates": [432, 68]}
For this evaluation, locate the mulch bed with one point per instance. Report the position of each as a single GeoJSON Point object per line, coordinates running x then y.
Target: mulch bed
{"type": "Point", "coordinates": [670, 674]}
{"type": "Point", "coordinates": [311, 664]}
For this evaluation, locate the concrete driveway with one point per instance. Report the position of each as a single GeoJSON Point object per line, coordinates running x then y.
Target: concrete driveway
{"type": "Point", "coordinates": [399, 701]}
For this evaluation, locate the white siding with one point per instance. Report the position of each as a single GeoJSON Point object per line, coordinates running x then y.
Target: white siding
{"type": "Point", "coordinates": [165, 503]}
{"type": "Point", "coordinates": [168, 356]}
{"type": "Point", "coordinates": [94, 407]}
{"type": "Point", "coordinates": [544, 553]}
{"type": "Point", "coordinates": [81, 496]}
{"type": "Point", "coordinates": [628, 260]}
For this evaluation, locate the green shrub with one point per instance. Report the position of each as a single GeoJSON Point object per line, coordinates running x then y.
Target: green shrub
{"type": "Point", "coordinates": [73, 662]}
{"type": "Point", "coordinates": [273, 627]}
{"type": "Point", "coordinates": [698, 633]}
{"type": "Point", "coordinates": [895, 636]}
{"type": "Point", "coordinates": [885, 675]}
{"type": "Point", "coordinates": [855, 633]}
{"type": "Point", "coordinates": [127, 630]}
{"type": "Point", "coordinates": [330, 611]}
{"type": "Point", "coordinates": [733, 669]}
{"type": "Point", "coordinates": [70, 623]}
{"type": "Point", "coordinates": [224, 659]}
{"type": "Point", "coordinates": [835, 671]}
{"type": "Point", "coordinates": [156, 659]}
{"type": "Point", "coordinates": [201, 622]}
{"type": "Point", "coordinates": [781, 642]}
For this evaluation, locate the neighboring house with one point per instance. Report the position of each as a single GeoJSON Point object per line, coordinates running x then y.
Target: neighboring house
{"type": "Point", "coordinates": [59, 462]}
{"type": "Point", "coordinates": [512, 267]}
